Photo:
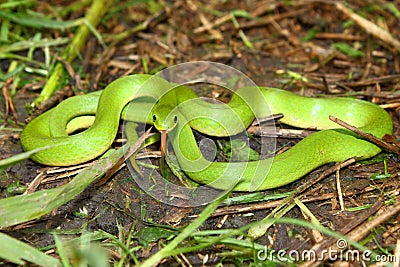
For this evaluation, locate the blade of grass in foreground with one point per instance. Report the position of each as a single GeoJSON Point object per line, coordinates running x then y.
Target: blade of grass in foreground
{"type": "Point", "coordinates": [23, 208]}
{"type": "Point", "coordinates": [18, 252]}
{"type": "Point", "coordinates": [168, 250]}
{"type": "Point", "coordinates": [38, 22]}
{"type": "Point", "coordinates": [4, 163]}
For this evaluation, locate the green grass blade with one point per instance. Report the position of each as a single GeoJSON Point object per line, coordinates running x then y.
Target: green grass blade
{"type": "Point", "coordinates": [16, 3]}
{"type": "Point", "coordinates": [95, 13]}
{"type": "Point", "coordinates": [18, 252]}
{"type": "Point", "coordinates": [4, 163]}
{"type": "Point", "coordinates": [168, 250]}
{"type": "Point", "coordinates": [23, 45]}
{"type": "Point", "coordinates": [348, 50]}
{"type": "Point", "coordinates": [61, 251]}
{"type": "Point", "coordinates": [28, 20]}
{"type": "Point", "coordinates": [20, 58]}
{"type": "Point", "coordinates": [22, 208]}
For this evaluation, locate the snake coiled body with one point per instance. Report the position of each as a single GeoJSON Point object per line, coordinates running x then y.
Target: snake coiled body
{"type": "Point", "coordinates": [330, 144]}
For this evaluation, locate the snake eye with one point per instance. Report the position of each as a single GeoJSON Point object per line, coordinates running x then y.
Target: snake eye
{"type": "Point", "coordinates": [154, 117]}
{"type": "Point", "coordinates": [175, 119]}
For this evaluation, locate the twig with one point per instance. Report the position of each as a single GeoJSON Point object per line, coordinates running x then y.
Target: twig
{"type": "Point", "coordinates": [339, 191]}
{"type": "Point", "coordinates": [372, 81]}
{"type": "Point", "coordinates": [390, 105]}
{"type": "Point", "coordinates": [259, 230]}
{"type": "Point", "coordinates": [34, 184]}
{"type": "Point", "coordinates": [119, 164]}
{"type": "Point", "coordinates": [8, 99]}
{"type": "Point", "coordinates": [272, 204]}
{"type": "Point", "coordinates": [396, 254]}
{"type": "Point", "coordinates": [367, 136]}
{"type": "Point", "coordinates": [338, 36]}
{"type": "Point", "coordinates": [359, 232]}
{"type": "Point", "coordinates": [245, 208]}
{"type": "Point", "coordinates": [324, 174]}
{"type": "Point", "coordinates": [370, 27]}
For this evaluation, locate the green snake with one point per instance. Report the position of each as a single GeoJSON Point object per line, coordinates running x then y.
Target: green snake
{"type": "Point", "coordinates": [169, 114]}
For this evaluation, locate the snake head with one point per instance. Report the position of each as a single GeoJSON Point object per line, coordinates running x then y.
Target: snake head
{"type": "Point", "coordinates": [165, 119]}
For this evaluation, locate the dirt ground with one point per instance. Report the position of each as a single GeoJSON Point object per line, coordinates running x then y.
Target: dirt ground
{"type": "Point", "coordinates": [295, 45]}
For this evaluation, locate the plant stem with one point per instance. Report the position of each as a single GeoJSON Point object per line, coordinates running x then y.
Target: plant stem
{"type": "Point", "coordinates": [93, 16]}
